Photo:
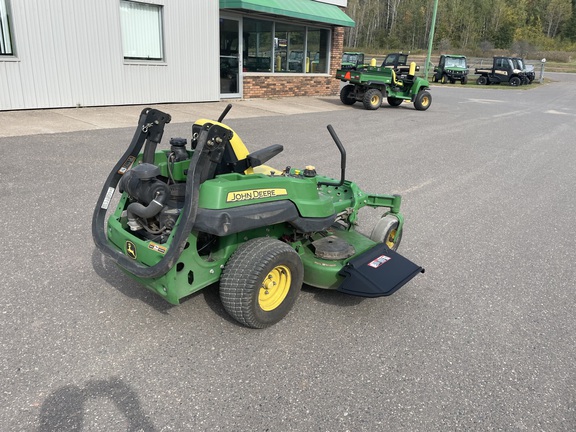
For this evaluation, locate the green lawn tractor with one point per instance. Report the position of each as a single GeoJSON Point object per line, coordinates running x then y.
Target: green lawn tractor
{"type": "Point", "coordinates": [372, 84]}
{"type": "Point", "coordinates": [188, 217]}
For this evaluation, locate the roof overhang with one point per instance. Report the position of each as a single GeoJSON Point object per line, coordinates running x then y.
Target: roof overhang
{"type": "Point", "coordinates": [307, 10]}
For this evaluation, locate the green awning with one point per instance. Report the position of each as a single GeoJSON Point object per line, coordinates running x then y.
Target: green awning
{"type": "Point", "coordinates": [301, 9]}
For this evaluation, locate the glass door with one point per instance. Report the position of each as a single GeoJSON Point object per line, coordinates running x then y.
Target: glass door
{"type": "Point", "coordinates": [230, 58]}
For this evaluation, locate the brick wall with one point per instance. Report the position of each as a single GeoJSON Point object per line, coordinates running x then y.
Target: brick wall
{"type": "Point", "coordinates": [279, 85]}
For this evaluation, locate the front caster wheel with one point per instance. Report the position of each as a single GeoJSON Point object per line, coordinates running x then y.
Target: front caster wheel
{"type": "Point", "coordinates": [261, 282]}
{"type": "Point", "coordinates": [387, 231]}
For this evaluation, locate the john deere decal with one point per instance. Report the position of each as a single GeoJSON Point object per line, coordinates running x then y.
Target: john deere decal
{"type": "Point", "coordinates": [130, 249]}
{"type": "Point", "coordinates": [254, 194]}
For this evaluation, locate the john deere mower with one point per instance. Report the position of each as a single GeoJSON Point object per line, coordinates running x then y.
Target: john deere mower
{"type": "Point", "coordinates": [209, 211]}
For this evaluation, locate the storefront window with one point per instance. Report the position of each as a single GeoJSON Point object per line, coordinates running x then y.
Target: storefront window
{"type": "Point", "coordinates": [318, 41]}
{"type": "Point", "coordinates": [229, 56]}
{"type": "Point", "coordinates": [289, 41]}
{"type": "Point", "coordinates": [284, 48]}
{"type": "Point", "coordinates": [258, 52]}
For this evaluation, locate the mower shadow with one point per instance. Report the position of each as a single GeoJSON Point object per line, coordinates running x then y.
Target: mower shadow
{"type": "Point", "coordinates": [117, 279]}
{"type": "Point", "coordinates": [332, 297]}
{"type": "Point", "coordinates": [211, 295]}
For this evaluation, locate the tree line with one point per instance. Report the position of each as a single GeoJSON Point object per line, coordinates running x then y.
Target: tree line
{"type": "Point", "coordinates": [522, 25]}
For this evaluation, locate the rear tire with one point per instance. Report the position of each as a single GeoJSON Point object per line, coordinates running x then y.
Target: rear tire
{"type": "Point", "coordinates": [392, 101]}
{"type": "Point", "coordinates": [345, 93]}
{"type": "Point", "coordinates": [261, 282]}
{"type": "Point", "coordinates": [372, 99]}
{"type": "Point", "coordinates": [482, 80]}
{"type": "Point", "coordinates": [423, 100]}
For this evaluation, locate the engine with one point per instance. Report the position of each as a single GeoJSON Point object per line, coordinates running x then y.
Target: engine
{"type": "Point", "coordinates": [155, 201]}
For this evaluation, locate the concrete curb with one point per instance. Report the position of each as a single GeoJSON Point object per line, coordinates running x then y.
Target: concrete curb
{"type": "Point", "coordinates": [49, 121]}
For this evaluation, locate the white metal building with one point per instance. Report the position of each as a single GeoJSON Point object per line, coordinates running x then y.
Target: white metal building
{"type": "Point", "coordinates": [66, 53]}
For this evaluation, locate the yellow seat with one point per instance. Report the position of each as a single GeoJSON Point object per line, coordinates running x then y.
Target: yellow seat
{"type": "Point", "coordinates": [239, 149]}
{"type": "Point", "coordinates": [396, 82]}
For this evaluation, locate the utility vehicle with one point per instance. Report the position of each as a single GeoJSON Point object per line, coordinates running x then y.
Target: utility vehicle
{"type": "Point", "coordinates": [352, 60]}
{"type": "Point", "coordinates": [189, 217]}
{"type": "Point", "coordinates": [372, 84]}
{"type": "Point", "coordinates": [296, 61]}
{"type": "Point", "coordinates": [451, 68]}
{"type": "Point", "coordinates": [503, 70]}
{"type": "Point", "coordinates": [529, 74]}
{"type": "Point", "coordinates": [399, 63]}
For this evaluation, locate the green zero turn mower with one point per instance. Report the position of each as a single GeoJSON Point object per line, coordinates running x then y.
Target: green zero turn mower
{"type": "Point", "coordinates": [189, 217]}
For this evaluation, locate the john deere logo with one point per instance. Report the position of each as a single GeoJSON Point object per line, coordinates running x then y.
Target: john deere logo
{"type": "Point", "coordinates": [130, 249]}
{"type": "Point", "coordinates": [254, 194]}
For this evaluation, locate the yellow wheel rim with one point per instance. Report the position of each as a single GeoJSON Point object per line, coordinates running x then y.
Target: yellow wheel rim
{"type": "Point", "coordinates": [425, 101]}
{"type": "Point", "coordinates": [274, 288]}
{"type": "Point", "coordinates": [374, 100]}
{"type": "Point", "coordinates": [390, 239]}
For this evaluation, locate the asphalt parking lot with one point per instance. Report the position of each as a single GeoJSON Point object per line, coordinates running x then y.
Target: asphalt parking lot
{"type": "Point", "coordinates": [484, 340]}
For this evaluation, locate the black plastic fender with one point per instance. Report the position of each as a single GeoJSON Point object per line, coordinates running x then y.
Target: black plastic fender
{"type": "Point", "coordinates": [377, 272]}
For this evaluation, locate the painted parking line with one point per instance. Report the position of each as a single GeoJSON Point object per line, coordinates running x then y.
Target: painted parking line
{"type": "Point", "coordinates": [481, 101]}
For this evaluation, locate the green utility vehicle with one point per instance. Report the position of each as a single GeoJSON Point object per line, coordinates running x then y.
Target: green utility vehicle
{"type": "Point", "coordinates": [451, 68]}
{"type": "Point", "coordinates": [296, 61]}
{"type": "Point", "coordinates": [372, 84]}
{"type": "Point", "coordinates": [399, 63]}
{"type": "Point", "coordinates": [352, 60]}
{"type": "Point", "coordinates": [187, 218]}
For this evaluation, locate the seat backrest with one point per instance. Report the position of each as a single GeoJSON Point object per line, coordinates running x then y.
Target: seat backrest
{"type": "Point", "coordinates": [394, 80]}
{"type": "Point", "coordinates": [236, 157]}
